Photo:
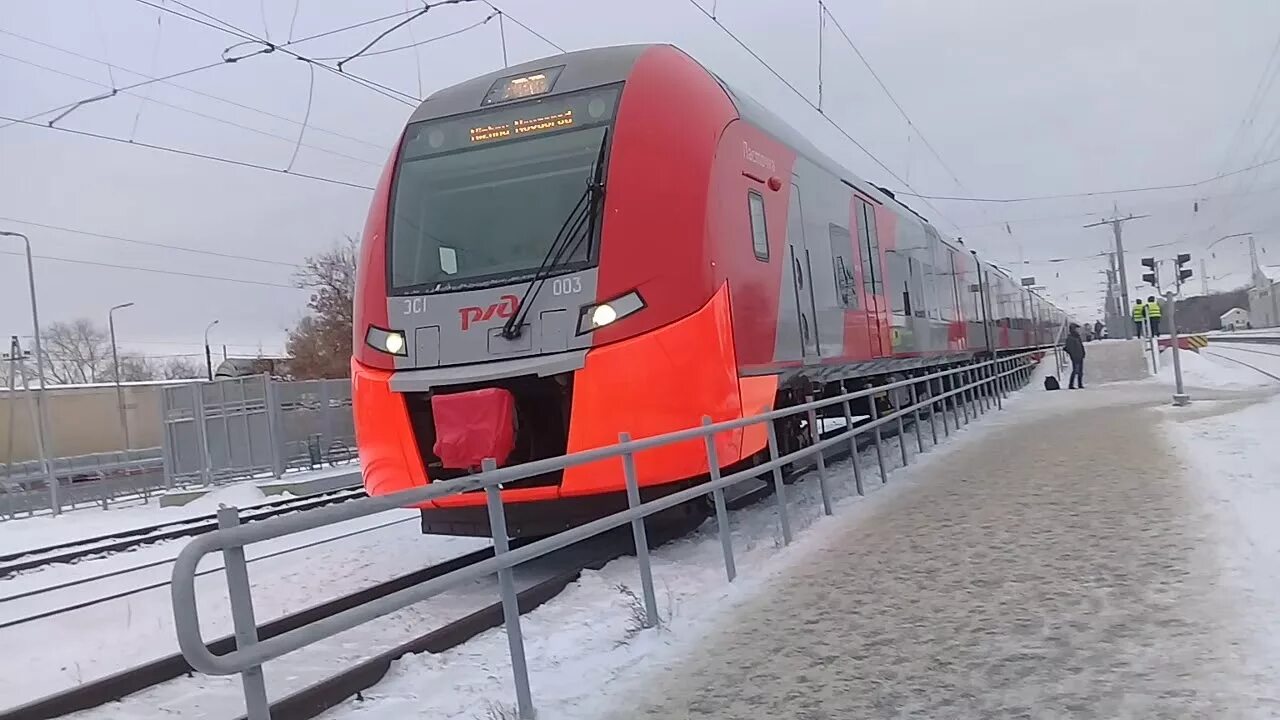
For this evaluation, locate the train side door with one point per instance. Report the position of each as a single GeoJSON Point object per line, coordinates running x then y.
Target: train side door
{"type": "Point", "coordinates": [801, 277]}
{"type": "Point", "coordinates": [872, 277]}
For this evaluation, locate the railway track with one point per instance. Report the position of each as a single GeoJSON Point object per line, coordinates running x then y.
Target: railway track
{"type": "Point", "coordinates": [126, 682]}
{"type": "Point", "coordinates": [1255, 368]}
{"type": "Point", "coordinates": [318, 697]}
{"type": "Point", "coordinates": [111, 543]}
{"type": "Point", "coordinates": [1254, 350]}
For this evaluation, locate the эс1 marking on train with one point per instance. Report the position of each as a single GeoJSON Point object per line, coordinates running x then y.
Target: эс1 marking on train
{"type": "Point", "coordinates": [615, 240]}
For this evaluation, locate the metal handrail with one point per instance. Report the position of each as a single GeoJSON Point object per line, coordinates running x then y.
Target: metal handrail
{"type": "Point", "coordinates": [990, 378]}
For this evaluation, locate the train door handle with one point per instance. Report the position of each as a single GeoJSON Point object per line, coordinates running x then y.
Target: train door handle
{"type": "Point", "coordinates": [799, 272]}
{"type": "Point", "coordinates": [804, 326]}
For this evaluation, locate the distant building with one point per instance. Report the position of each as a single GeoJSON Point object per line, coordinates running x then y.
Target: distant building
{"type": "Point", "coordinates": [1264, 296]}
{"type": "Point", "coordinates": [1235, 319]}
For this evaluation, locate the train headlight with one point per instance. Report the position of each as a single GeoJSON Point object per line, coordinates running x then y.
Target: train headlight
{"type": "Point", "coordinates": [387, 341]}
{"type": "Point", "coordinates": [605, 313]}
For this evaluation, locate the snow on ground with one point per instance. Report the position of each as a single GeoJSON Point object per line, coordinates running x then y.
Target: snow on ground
{"type": "Point", "coordinates": [1231, 449]}
{"type": "Point", "coordinates": [589, 637]}
{"type": "Point", "coordinates": [1204, 370]}
{"type": "Point", "coordinates": [24, 533]}
{"type": "Point", "coordinates": [1264, 357]}
{"type": "Point", "coordinates": [73, 647]}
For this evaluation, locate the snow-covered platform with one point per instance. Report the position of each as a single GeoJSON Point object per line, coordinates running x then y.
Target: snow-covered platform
{"type": "Point", "coordinates": [1114, 360]}
{"type": "Point", "coordinates": [1068, 564]}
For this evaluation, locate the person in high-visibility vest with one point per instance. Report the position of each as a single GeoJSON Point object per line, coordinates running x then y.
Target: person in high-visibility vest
{"type": "Point", "coordinates": [1153, 314]}
{"type": "Point", "coordinates": [1139, 314]}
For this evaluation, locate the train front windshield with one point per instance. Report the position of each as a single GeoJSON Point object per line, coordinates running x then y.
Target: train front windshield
{"type": "Point", "coordinates": [479, 198]}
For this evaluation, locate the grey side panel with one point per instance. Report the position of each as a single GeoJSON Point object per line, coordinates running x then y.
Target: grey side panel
{"type": "Point", "coordinates": [423, 380]}
{"type": "Point", "coordinates": [825, 200]}
{"type": "Point", "coordinates": [582, 69]}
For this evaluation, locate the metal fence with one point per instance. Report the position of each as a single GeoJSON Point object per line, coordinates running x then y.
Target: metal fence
{"type": "Point", "coordinates": [969, 389]}
{"type": "Point", "coordinates": [95, 479]}
{"type": "Point", "coordinates": [255, 427]}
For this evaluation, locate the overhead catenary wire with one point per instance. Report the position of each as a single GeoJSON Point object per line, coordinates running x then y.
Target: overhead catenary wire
{"type": "Point", "coordinates": [197, 113]}
{"type": "Point", "coordinates": [193, 154]}
{"type": "Point", "coordinates": [177, 273]}
{"type": "Point", "coordinates": [249, 38]}
{"type": "Point", "coordinates": [1096, 193]}
{"type": "Point", "coordinates": [103, 96]}
{"type": "Point", "coordinates": [219, 98]}
{"type": "Point", "coordinates": [155, 58]}
{"type": "Point", "coordinates": [419, 43]}
{"type": "Point", "coordinates": [837, 126]}
{"type": "Point", "coordinates": [306, 116]}
{"type": "Point", "coordinates": [148, 243]}
{"type": "Point", "coordinates": [889, 94]}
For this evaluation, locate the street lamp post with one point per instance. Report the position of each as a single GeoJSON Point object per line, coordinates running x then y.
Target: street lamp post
{"type": "Point", "coordinates": [208, 356]}
{"type": "Point", "coordinates": [115, 362]}
{"type": "Point", "coordinates": [55, 503]}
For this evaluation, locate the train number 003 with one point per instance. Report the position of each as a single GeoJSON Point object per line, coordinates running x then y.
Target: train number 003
{"type": "Point", "coordinates": [566, 286]}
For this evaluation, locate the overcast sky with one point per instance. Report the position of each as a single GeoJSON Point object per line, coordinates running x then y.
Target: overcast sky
{"type": "Point", "coordinates": [1018, 98]}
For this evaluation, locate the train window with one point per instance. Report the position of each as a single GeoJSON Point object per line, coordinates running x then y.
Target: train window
{"type": "Point", "coordinates": [930, 290]}
{"type": "Point", "coordinates": [759, 230]}
{"type": "Point", "coordinates": [917, 303]}
{"type": "Point", "coordinates": [842, 262]}
{"type": "Point", "coordinates": [898, 273]}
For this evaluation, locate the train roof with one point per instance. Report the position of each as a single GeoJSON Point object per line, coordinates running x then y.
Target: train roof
{"type": "Point", "coordinates": [593, 67]}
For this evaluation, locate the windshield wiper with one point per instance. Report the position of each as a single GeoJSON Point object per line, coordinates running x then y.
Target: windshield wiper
{"type": "Point", "coordinates": [565, 246]}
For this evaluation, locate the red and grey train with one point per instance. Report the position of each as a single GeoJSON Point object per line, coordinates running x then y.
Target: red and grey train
{"type": "Point", "coordinates": [616, 240]}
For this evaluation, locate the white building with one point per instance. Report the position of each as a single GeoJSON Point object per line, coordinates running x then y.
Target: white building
{"type": "Point", "coordinates": [1264, 297]}
{"type": "Point", "coordinates": [1234, 319]}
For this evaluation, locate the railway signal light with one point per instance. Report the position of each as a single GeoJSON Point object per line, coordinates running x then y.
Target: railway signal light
{"type": "Point", "coordinates": [1183, 273]}
{"type": "Point", "coordinates": [1150, 277]}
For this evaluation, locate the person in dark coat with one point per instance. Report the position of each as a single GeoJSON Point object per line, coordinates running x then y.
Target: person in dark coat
{"type": "Point", "coordinates": [1074, 348]}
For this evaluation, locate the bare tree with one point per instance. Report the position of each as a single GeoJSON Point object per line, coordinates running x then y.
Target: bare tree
{"type": "Point", "coordinates": [181, 368]}
{"type": "Point", "coordinates": [320, 345]}
{"type": "Point", "coordinates": [136, 368]}
{"type": "Point", "coordinates": [77, 352]}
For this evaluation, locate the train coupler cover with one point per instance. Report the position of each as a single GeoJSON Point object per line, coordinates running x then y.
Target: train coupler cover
{"type": "Point", "coordinates": [472, 426]}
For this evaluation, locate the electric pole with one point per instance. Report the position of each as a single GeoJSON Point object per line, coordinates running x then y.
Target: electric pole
{"type": "Point", "coordinates": [1115, 224]}
{"type": "Point", "coordinates": [1204, 279]}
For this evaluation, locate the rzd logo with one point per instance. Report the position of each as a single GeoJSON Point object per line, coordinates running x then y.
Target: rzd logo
{"type": "Point", "coordinates": [504, 308]}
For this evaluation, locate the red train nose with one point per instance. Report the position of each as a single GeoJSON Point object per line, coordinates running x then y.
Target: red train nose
{"type": "Point", "coordinates": [474, 425]}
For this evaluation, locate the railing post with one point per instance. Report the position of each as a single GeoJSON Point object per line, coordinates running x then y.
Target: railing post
{"type": "Point", "coordinates": [944, 385]}
{"type": "Point", "coordinates": [639, 536]}
{"type": "Point", "coordinates": [915, 413]}
{"type": "Point", "coordinates": [779, 488]}
{"type": "Point", "coordinates": [902, 431]}
{"type": "Point", "coordinates": [853, 447]}
{"type": "Point", "coordinates": [993, 383]}
{"type": "Point", "coordinates": [256, 705]}
{"type": "Point", "coordinates": [815, 437]}
{"type": "Point", "coordinates": [875, 415]}
{"type": "Point", "coordinates": [979, 389]}
{"type": "Point", "coordinates": [717, 495]}
{"type": "Point", "coordinates": [966, 398]}
{"type": "Point", "coordinates": [510, 604]}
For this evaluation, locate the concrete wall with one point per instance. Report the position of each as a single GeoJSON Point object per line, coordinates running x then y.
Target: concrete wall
{"type": "Point", "coordinates": [82, 419]}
